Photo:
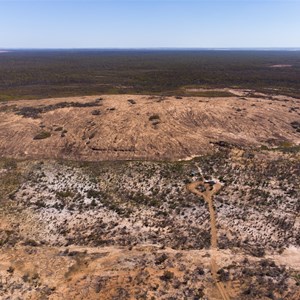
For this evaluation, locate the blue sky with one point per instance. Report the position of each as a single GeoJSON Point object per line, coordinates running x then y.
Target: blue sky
{"type": "Point", "coordinates": [149, 23]}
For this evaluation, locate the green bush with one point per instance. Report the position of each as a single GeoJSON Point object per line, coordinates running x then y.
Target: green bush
{"type": "Point", "coordinates": [154, 117]}
{"type": "Point", "coordinates": [42, 135]}
{"type": "Point", "coordinates": [64, 194]}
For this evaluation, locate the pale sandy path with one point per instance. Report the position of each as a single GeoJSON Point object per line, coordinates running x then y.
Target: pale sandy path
{"type": "Point", "coordinates": [208, 197]}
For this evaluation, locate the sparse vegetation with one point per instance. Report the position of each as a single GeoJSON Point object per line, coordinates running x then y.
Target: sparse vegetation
{"type": "Point", "coordinates": [126, 203]}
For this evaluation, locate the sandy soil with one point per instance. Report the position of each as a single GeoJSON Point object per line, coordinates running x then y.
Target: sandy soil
{"type": "Point", "coordinates": [145, 128]}
{"type": "Point", "coordinates": [207, 195]}
{"type": "Point", "coordinates": [281, 66]}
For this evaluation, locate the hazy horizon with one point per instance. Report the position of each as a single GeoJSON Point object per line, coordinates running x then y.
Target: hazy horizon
{"type": "Point", "coordinates": [162, 48]}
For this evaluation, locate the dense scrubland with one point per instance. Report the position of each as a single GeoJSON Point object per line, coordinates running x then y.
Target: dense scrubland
{"type": "Point", "coordinates": [44, 73]}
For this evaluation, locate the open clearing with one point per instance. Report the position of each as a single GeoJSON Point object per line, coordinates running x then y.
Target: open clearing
{"type": "Point", "coordinates": [144, 127]}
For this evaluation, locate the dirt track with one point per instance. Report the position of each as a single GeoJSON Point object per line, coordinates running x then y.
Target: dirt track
{"type": "Point", "coordinates": [208, 197]}
{"type": "Point", "coordinates": [142, 127]}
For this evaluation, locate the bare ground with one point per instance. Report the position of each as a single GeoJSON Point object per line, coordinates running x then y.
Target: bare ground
{"type": "Point", "coordinates": [142, 127]}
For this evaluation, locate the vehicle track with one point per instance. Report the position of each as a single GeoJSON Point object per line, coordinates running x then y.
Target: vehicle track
{"type": "Point", "coordinates": [208, 197]}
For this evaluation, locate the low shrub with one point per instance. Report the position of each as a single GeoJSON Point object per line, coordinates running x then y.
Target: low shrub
{"type": "Point", "coordinates": [42, 135]}
{"type": "Point", "coordinates": [154, 117]}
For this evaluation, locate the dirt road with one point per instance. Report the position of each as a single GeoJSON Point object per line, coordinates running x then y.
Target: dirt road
{"type": "Point", "coordinates": [208, 191]}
